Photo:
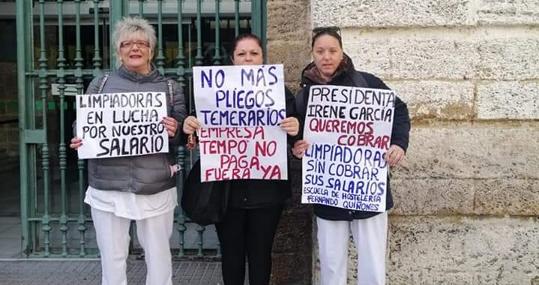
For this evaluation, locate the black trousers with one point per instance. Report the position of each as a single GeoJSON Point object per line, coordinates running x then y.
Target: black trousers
{"type": "Point", "coordinates": [248, 233]}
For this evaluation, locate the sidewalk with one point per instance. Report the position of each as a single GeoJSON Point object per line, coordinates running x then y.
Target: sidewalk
{"type": "Point", "coordinates": [85, 272]}
{"type": "Point", "coordinates": [18, 270]}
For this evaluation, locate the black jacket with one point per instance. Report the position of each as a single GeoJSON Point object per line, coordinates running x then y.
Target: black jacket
{"type": "Point", "coordinates": [346, 75]}
{"type": "Point", "coordinates": [255, 193]}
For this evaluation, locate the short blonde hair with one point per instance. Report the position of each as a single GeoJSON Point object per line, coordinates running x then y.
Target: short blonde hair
{"type": "Point", "coordinates": [130, 25]}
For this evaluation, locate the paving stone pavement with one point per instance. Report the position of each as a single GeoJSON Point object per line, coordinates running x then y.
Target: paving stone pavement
{"type": "Point", "coordinates": [86, 272]}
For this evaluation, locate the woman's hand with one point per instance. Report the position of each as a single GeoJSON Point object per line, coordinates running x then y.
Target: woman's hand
{"type": "Point", "coordinates": [290, 125]}
{"type": "Point", "coordinates": [75, 143]}
{"type": "Point", "coordinates": [299, 148]}
{"type": "Point", "coordinates": [170, 125]}
{"type": "Point", "coordinates": [190, 125]}
{"type": "Point", "coordinates": [394, 155]}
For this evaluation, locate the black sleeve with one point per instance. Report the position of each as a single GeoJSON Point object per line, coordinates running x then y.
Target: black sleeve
{"type": "Point", "coordinates": [291, 111]}
{"type": "Point", "coordinates": [302, 97]}
{"type": "Point", "coordinates": [400, 134]}
{"type": "Point", "coordinates": [374, 82]}
{"type": "Point", "coordinates": [290, 103]}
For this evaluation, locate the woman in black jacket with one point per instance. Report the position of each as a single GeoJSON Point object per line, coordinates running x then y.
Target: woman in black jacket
{"type": "Point", "coordinates": [331, 66]}
{"type": "Point", "coordinates": [254, 209]}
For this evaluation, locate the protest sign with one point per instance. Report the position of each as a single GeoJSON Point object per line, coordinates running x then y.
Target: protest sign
{"type": "Point", "coordinates": [240, 108]}
{"type": "Point", "coordinates": [349, 131]}
{"type": "Point", "coordinates": [121, 124]}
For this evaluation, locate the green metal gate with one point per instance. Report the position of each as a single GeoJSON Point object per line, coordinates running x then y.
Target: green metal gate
{"type": "Point", "coordinates": [61, 46]}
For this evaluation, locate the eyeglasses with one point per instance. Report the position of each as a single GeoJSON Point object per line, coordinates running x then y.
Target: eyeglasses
{"type": "Point", "coordinates": [130, 44]}
{"type": "Point", "coordinates": [330, 29]}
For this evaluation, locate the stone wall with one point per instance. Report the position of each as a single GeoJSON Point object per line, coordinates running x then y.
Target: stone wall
{"type": "Point", "coordinates": [289, 43]}
{"type": "Point", "coordinates": [289, 37]}
{"type": "Point", "coordinates": [467, 200]}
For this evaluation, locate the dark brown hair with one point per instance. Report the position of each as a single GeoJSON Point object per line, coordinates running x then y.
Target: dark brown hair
{"type": "Point", "coordinates": [330, 31]}
{"type": "Point", "coordinates": [243, 37]}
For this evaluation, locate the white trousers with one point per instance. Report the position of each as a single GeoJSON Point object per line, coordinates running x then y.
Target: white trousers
{"type": "Point", "coordinates": [112, 234]}
{"type": "Point", "coordinates": [370, 237]}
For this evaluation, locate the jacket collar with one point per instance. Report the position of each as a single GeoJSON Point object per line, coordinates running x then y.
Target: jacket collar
{"type": "Point", "coordinates": [137, 77]}
{"type": "Point", "coordinates": [311, 75]}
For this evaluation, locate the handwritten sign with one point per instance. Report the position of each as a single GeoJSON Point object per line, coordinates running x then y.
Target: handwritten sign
{"type": "Point", "coordinates": [240, 108]}
{"type": "Point", "coordinates": [121, 124]}
{"type": "Point", "coordinates": [349, 130]}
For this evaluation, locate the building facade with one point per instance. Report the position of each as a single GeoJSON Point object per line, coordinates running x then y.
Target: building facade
{"type": "Point", "coordinates": [467, 201]}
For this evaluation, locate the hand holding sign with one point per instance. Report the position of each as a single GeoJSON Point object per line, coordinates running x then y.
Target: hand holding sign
{"type": "Point", "coordinates": [290, 125]}
{"type": "Point", "coordinates": [75, 143]}
{"type": "Point", "coordinates": [190, 125]}
{"type": "Point", "coordinates": [170, 125]}
{"type": "Point", "coordinates": [394, 155]}
{"type": "Point", "coordinates": [299, 148]}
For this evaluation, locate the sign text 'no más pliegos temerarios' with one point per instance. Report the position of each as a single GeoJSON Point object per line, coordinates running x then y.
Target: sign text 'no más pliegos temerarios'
{"type": "Point", "coordinates": [240, 109]}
